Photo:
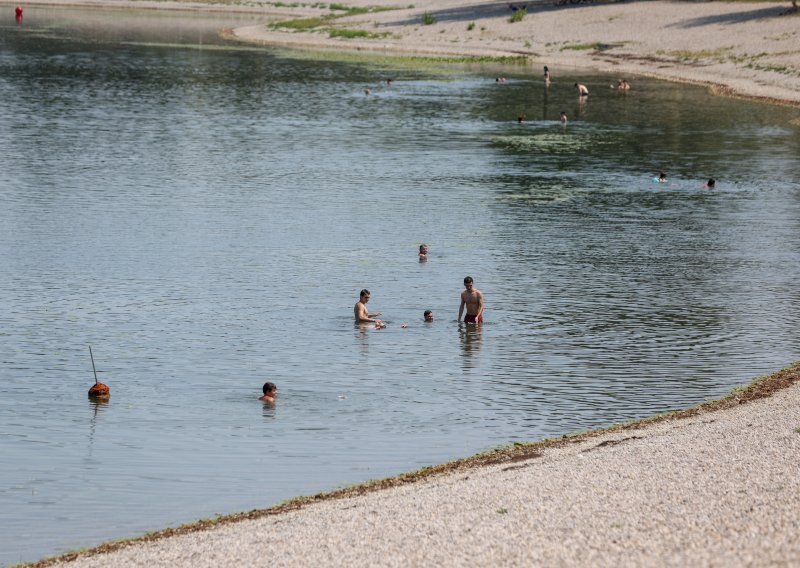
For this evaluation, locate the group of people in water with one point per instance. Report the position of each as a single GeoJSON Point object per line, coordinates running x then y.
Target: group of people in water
{"type": "Point", "coordinates": [471, 298]}
{"type": "Point", "coordinates": [471, 309]}
{"type": "Point", "coordinates": [583, 93]}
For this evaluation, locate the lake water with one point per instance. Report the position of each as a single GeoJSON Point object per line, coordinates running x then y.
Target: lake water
{"type": "Point", "coordinates": [204, 215]}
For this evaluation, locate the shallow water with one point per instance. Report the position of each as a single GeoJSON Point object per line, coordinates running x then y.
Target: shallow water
{"type": "Point", "coordinates": [203, 216]}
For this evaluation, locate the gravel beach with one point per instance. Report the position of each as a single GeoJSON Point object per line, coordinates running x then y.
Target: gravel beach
{"type": "Point", "coordinates": [717, 488]}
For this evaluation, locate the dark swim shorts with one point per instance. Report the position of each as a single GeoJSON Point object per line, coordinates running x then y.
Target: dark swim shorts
{"type": "Point", "coordinates": [472, 319]}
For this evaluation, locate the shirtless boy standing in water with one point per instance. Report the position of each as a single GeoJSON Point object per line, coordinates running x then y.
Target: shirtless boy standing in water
{"type": "Point", "coordinates": [360, 309]}
{"type": "Point", "coordinates": [472, 298]}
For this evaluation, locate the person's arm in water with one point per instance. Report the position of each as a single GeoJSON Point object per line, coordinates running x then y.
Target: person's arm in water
{"type": "Point", "coordinates": [461, 307]}
{"type": "Point", "coordinates": [479, 315]}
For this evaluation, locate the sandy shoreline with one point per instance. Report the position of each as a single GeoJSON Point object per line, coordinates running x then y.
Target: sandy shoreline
{"type": "Point", "coordinates": [740, 48]}
{"type": "Point", "coordinates": [713, 486]}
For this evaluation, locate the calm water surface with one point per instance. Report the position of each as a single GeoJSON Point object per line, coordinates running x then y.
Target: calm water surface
{"type": "Point", "coordinates": [204, 216]}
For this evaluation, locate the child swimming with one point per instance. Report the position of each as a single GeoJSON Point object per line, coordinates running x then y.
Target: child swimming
{"type": "Point", "coordinates": [270, 392]}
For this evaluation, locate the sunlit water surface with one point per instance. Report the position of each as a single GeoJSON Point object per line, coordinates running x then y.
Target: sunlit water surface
{"type": "Point", "coordinates": [204, 216]}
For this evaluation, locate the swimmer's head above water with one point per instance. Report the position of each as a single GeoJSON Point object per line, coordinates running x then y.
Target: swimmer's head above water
{"type": "Point", "coordinates": [270, 392]}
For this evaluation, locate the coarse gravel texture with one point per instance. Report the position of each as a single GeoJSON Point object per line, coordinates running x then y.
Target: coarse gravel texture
{"type": "Point", "coordinates": [716, 489]}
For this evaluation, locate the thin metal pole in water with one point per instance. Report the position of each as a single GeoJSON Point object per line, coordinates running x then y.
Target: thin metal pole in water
{"type": "Point", "coordinates": [93, 369]}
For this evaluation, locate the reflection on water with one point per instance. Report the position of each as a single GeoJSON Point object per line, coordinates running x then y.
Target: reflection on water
{"type": "Point", "coordinates": [205, 218]}
{"type": "Point", "coordinates": [471, 336]}
{"type": "Point", "coordinates": [96, 405]}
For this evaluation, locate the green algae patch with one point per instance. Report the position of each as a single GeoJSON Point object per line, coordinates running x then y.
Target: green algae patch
{"type": "Point", "coordinates": [357, 34]}
{"type": "Point", "coordinates": [301, 24]}
{"type": "Point", "coordinates": [545, 143]}
{"type": "Point", "coordinates": [435, 64]}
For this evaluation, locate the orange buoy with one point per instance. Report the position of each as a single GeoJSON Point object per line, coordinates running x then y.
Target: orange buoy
{"type": "Point", "coordinates": [98, 389]}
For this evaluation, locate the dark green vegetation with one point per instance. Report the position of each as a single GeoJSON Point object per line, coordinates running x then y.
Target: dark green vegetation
{"type": "Point", "coordinates": [337, 11]}
{"type": "Point", "coordinates": [357, 34]}
{"type": "Point", "coordinates": [518, 15]}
